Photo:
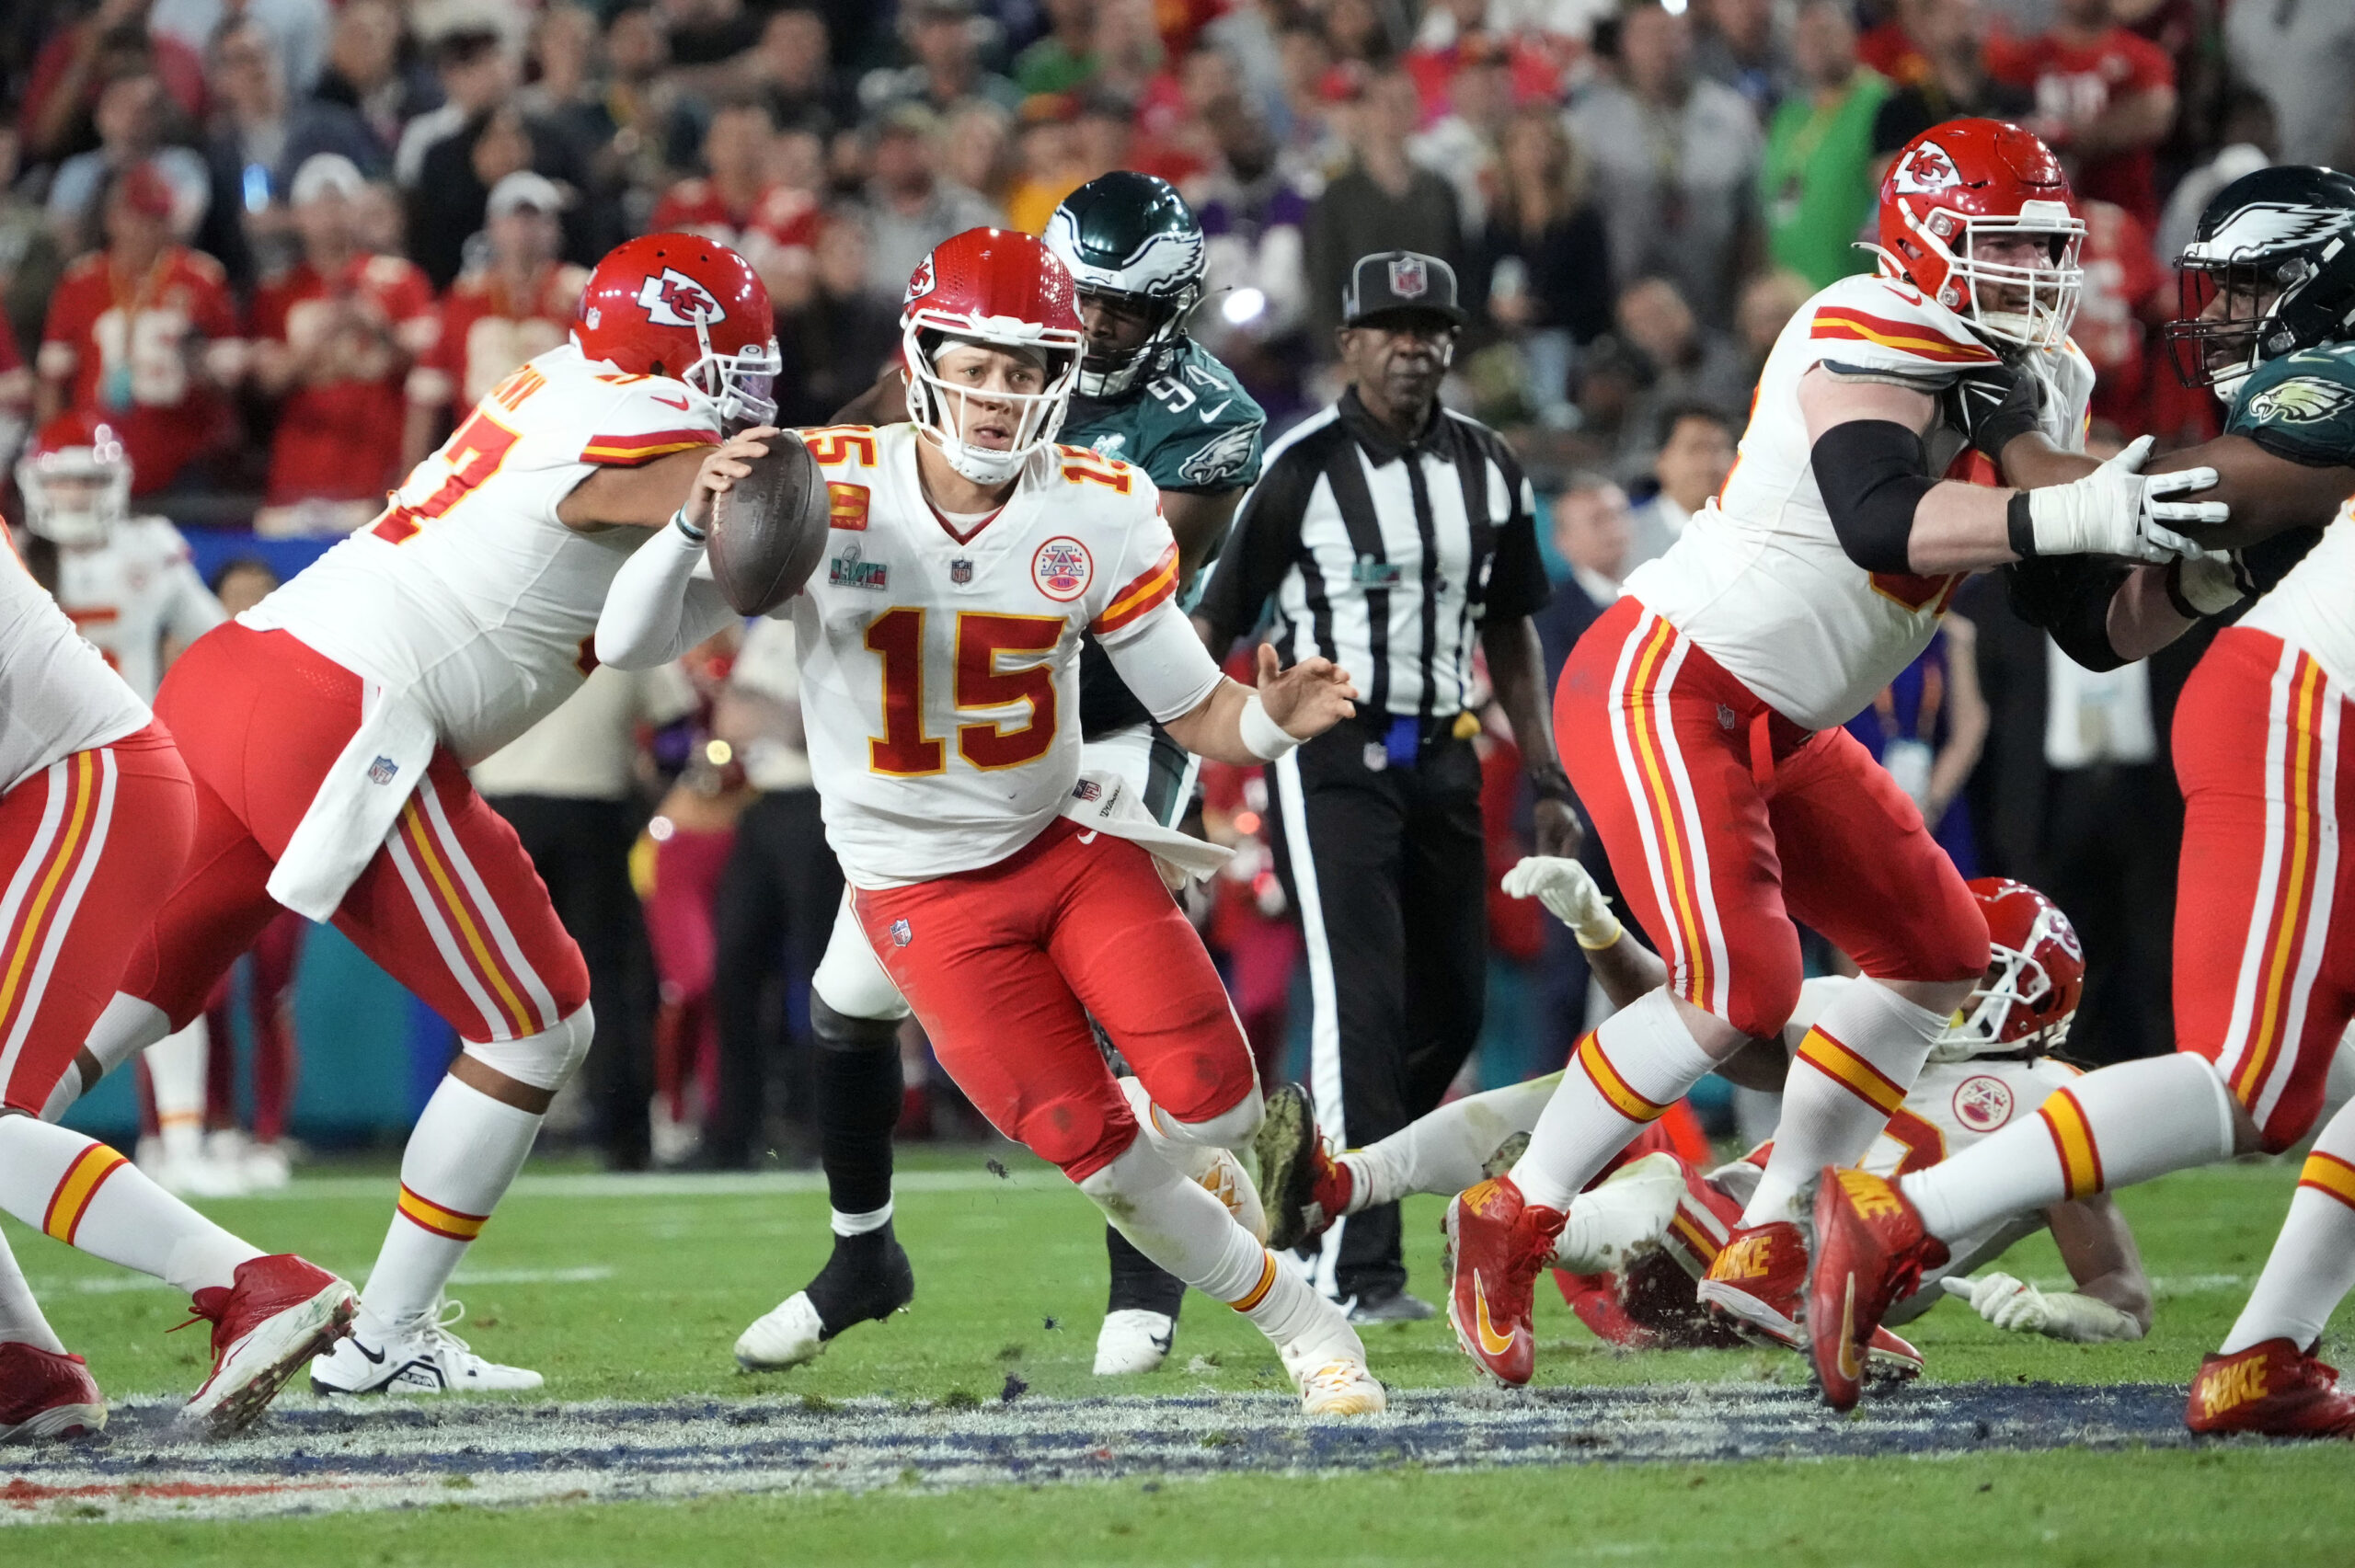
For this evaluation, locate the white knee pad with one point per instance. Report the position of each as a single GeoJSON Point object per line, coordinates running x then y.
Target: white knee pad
{"type": "Point", "coordinates": [851, 978]}
{"type": "Point", "coordinates": [543, 1060]}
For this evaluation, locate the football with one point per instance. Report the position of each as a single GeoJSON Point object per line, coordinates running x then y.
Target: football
{"type": "Point", "coordinates": [769, 530]}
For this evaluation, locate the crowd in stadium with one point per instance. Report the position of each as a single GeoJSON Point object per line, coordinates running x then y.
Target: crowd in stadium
{"type": "Point", "coordinates": [280, 245]}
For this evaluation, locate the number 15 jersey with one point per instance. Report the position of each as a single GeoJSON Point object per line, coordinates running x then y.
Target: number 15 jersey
{"type": "Point", "coordinates": [940, 658]}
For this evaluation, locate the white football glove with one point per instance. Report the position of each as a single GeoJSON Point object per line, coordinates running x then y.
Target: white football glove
{"type": "Point", "coordinates": [1568, 889]}
{"type": "Point", "coordinates": [2115, 511]}
{"type": "Point", "coordinates": [2018, 1306]}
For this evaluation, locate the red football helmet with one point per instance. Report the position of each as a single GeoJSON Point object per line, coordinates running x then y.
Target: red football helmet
{"type": "Point", "coordinates": [2033, 983]}
{"type": "Point", "coordinates": [1971, 181]}
{"type": "Point", "coordinates": [75, 479]}
{"type": "Point", "coordinates": [1005, 289]}
{"type": "Point", "coordinates": [689, 308]}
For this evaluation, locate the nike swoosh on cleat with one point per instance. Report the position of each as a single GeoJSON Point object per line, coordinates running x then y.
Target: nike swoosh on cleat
{"type": "Point", "coordinates": [1849, 1365]}
{"type": "Point", "coordinates": [1491, 1341]}
{"type": "Point", "coordinates": [376, 1358]}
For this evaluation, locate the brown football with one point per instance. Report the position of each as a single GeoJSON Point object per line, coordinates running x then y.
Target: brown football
{"type": "Point", "coordinates": [769, 530]}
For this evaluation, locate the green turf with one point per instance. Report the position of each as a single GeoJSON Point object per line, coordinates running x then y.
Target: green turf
{"type": "Point", "coordinates": [1011, 1280]}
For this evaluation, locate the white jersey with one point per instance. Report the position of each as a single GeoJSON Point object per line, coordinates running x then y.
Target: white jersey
{"type": "Point", "coordinates": [57, 696]}
{"type": "Point", "coordinates": [467, 594]}
{"type": "Point", "coordinates": [2313, 607]}
{"type": "Point", "coordinates": [1758, 578]}
{"type": "Point", "coordinates": [134, 591]}
{"type": "Point", "coordinates": [939, 675]}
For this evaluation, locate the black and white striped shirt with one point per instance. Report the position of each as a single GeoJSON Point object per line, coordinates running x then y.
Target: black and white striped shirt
{"type": "Point", "coordinates": [1385, 557]}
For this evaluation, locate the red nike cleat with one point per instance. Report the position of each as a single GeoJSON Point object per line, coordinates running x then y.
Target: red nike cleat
{"type": "Point", "coordinates": [1303, 1187]}
{"type": "Point", "coordinates": [1870, 1250]}
{"type": "Point", "coordinates": [277, 1313]}
{"type": "Point", "coordinates": [45, 1394]}
{"type": "Point", "coordinates": [1495, 1247]}
{"type": "Point", "coordinates": [2273, 1387]}
{"type": "Point", "coordinates": [1757, 1282]}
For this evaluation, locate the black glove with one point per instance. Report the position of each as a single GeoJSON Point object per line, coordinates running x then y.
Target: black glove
{"type": "Point", "coordinates": [1992, 404]}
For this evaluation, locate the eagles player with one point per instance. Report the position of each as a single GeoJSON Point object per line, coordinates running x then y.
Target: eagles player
{"type": "Point", "coordinates": [2264, 975]}
{"type": "Point", "coordinates": [1151, 396]}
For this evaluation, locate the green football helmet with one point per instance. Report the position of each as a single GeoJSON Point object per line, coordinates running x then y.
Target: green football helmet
{"type": "Point", "coordinates": [1130, 239]}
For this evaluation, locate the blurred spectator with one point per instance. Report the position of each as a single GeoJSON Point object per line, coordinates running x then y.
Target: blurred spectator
{"type": "Point", "coordinates": [977, 149]}
{"type": "Point", "coordinates": [946, 62]}
{"type": "Point", "coordinates": [1675, 162]}
{"type": "Point", "coordinates": [2126, 294]}
{"type": "Point", "coordinates": [1671, 360]}
{"type": "Point", "coordinates": [1544, 262]}
{"type": "Point", "coordinates": [1462, 143]}
{"type": "Point", "coordinates": [297, 28]}
{"type": "Point", "coordinates": [1382, 203]}
{"type": "Point", "coordinates": [516, 305]}
{"type": "Point", "coordinates": [1047, 156]}
{"type": "Point", "coordinates": [1595, 533]}
{"type": "Point", "coordinates": [1254, 223]}
{"type": "Point", "coordinates": [736, 199]}
{"type": "Point", "coordinates": [1927, 727]}
{"type": "Point", "coordinates": [15, 394]}
{"type": "Point", "coordinates": [1938, 61]}
{"type": "Point", "coordinates": [706, 32]}
{"type": "Point", "coordinates": [632, 124]}
{"type": "Point", "coordinates": [1768, 303]}
{"type": "Point", "coordinates": [144, 335]}
{"type": "Point", "coordinates": [2250, 142]}
{"type": "Point", "coordinates": [1063, 60]}
{"type": "Point", "coordinates": [452, 198]}
{"type": "Point", "coordinates": [136, 119]}
{"type": "Point", "coordinates": [81, 58]}
{"type": "Point", "coordinates": [373, 70]}
{"type": "Point", "coordinates": [333, 341]}
{"type": "Point", "coordinates": [477, 74]}
{"type": "Point", "coordinates": [1691, 466]}
{"type": "Point", "coordinates": [261, 135]}
{"type": "Point", "coordinates": [837, 344]}
{"type": "Point", "coordinates": [1816, 181]}
{"type": "Point", "coordinates": [910, 208]}
{"type": "Point", "coordinates": [1311, 136]}
{"type": "Point", "coordinates": [2302, 57]}
{"type": "Point", "coordinates": [792, 67]}
{"type": "Point", "coordinates": [1359, 32]}
{"type": "Point", "coordinates": [2105, 98]}
{"type": "Point", "coordinates": [1739, 46]}
{"type": "Point", "coordinates": [32, 255]}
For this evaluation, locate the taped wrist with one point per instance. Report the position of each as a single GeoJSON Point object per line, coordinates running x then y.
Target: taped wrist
{"type": "Point", "coordinates": [1870, 473]}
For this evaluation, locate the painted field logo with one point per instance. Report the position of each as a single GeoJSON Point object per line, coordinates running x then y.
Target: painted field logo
{"type": "Point", "coordinates": [1982, 1103]}
{"type": "Point", "coordinates": [1063, 569]}
{"type": "Point", "coordinates": [850, 569]}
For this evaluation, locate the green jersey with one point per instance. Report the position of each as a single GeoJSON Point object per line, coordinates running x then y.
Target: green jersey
{"type": "Point", "coordinates": [1192, 428]}
{"type": "Point", "coordinates": [2301, 407]}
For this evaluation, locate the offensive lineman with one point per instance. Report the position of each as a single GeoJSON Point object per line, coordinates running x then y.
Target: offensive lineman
{"type": "Point", "coordinates": [2264, 985]}
{"type": "Point", "coordinates": [1010, 895]}
{"type": "Point", "coordinates": [329, 729]}
{"type": "Point", "coordinates": [1150, 396]}
{"type": "Point", "coordinates": [1701, 717]}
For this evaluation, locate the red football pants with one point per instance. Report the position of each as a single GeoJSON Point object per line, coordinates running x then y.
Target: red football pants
{"type": "Point", "coordinates": [89, 843]}
{"type": "Point", "coordinates": [450, 907]}
{"type": "Point", "coordinates": [2264, 975]}
{"type": "Point", "coordinates": [1005, 965]}
{"type": "Point", "coordinates": [1725, 821]}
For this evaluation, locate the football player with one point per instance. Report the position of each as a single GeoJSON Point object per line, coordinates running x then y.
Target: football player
{"type": "Point", "coordinates": [2264, 971]}
{"type": "Point", "coordinates": [129, 584]}
{"type": "Point", "coordinates": [329, 729]}
{"type": "Point", "coordinates": [1010, 894]}
{"type": "Point", "coordinates": [97, 815]}
{"type": "Point", "coordinates": [1701, 717]}
{"type": "Point", "coordinates": [1151, 396]}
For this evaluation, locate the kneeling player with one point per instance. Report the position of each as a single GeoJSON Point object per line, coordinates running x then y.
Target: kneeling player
{"type": "Point", "coordinates": [1010, 898]}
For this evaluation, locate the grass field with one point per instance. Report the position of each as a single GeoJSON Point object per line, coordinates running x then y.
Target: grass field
{"type": "Point", "coordinates": [970, 1430]}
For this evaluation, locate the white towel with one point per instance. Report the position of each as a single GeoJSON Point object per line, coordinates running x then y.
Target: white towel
{"type": "Point", "coordinates": [1102, 802]}
{"type": "Point", "coordinates": [350, 818]}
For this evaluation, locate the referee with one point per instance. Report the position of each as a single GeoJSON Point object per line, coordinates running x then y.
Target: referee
{"type": "Point", "coordinates": [1390, 532]}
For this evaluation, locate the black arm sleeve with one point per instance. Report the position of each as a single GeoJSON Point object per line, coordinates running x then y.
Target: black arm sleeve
{"type": "Point", "coordinates": [2069, 596]}
{"type": "Point", "coordinates": [1870, 472]}
{"type": "Point", "coordinates": [1262, 543]}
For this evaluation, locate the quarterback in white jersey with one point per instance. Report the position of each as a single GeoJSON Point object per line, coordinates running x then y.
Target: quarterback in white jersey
{"type": "Point", "coordinates": [1009, 897]}
{"type": "Point", "coordinates": [1700, 714]}
{"type": "Point", "coordinates": [329, 729]}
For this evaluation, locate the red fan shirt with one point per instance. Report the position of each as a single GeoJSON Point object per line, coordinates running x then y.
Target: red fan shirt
{"type": "Point", "coordinates": [147, 355]}
{"type": "Point", "coordinates": [486, 331]}
{"type": "Point", "coordinates": [2074, 82]}
{"type": "Point", "coordinates": [339, 428]}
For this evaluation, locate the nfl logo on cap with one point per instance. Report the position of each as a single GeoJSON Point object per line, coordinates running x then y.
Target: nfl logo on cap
{"type": "Point", "coordinates": [1408, 279]}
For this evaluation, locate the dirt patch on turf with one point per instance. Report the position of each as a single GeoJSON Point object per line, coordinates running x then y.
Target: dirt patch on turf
{"type": "Point", "coordinates": [331, 1458]}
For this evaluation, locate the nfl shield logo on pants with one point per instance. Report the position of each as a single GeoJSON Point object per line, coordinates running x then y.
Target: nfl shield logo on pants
{"type": "Point", "coordinates": [902, 933]}
{"type": "Point", "coordinates": [1408, 280]}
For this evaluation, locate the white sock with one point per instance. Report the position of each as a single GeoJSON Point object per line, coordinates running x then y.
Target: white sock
{"type": "Point", "coordinates": [2313, 1264]}
{"type": "Point", "coordinates": [465, 1151]}
{"type": "Point", "coordinates": [176, 1072]}
{"type": "Point", "coordinates": [1444, 1151]}
{"type": "Point", "coordinates": [89, 1197]}
{"type": "Point", "coordinates": [20, 1316]}
{"type": "Point", "coordinates": [1621, 1078]}
{"type": "Point", "coordinates": [860, 1224]}
{"type": "Point", "coordinates": [127, 1027]}
{"type": "Point", "coordinates": [1860, 1059]}
{"type": "Point", "coordinates": [2110, 1129]}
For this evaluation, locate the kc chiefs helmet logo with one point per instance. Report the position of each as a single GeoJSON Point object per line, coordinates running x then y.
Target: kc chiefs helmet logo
{"type": "Point", "coordinates": [1929, 169]}
{"type": "Point", "coordinates": [674, 298]}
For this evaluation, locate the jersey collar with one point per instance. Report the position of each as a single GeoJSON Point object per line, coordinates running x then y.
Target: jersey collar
{"type": "Point", "coordinates": [1381, 443]}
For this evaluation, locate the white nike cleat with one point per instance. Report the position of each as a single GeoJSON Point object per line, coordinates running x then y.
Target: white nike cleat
{"type": "Point", "coordinates": [1133, 1340]}
{"type": "Point", "coordinates": [788, 1336]}
{"type": "Point", "coordinates": [420, 1356]}
{"type": "Point", "coordinates": [1622, 1219]}
{"type": "Point", "coordinates": [1339, 1387]}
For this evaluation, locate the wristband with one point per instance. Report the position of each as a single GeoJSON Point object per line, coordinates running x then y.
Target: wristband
{"type": "Point", "coordinates": [2019, 526]}
{"type": "Point", "coordinates": [1583, 934]}
{"type": "Point", "coordinates": [679, 521]}
{"type": "Point", "coordinates": [1263, 736]}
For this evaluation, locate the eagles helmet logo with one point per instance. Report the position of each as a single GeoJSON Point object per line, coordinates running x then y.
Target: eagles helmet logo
{"type": "Point", "coordinates": [673, 299]}
{"type": "Point", "coordinates": [2301, 400]}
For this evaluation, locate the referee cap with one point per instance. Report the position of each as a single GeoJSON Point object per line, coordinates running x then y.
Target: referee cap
{"type": "Point", "coordinates": [1398, 281]}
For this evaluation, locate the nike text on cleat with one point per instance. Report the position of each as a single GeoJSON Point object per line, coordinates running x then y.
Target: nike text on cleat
{"type": "Point", "coordinates": [1226, 1182]}
{"type": "Point", "coordinates": [46, 1395]}
{"type": "Point", "coordinates": [276, 1313]}
{"type": "Point", "coordinates": [1757, 1283]}
{"type": "Point", "coordinates": [1301, 1185]}
{"type": "Point", "coordinates": [1133, 1340]}
{"type": "Point", "coordinates": [2274, 1389]}
{"type": "Point", "coordinates": [1870, 1250]}
{"type": "Point", "coordinates": [416, 1356]}
{"type": "Point", "coordinates": [867, 1278]}
{"type": "Point", "coordinates": [1341, 1387]}
{"type": "Point", "coordinates": [1496, 1246]}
